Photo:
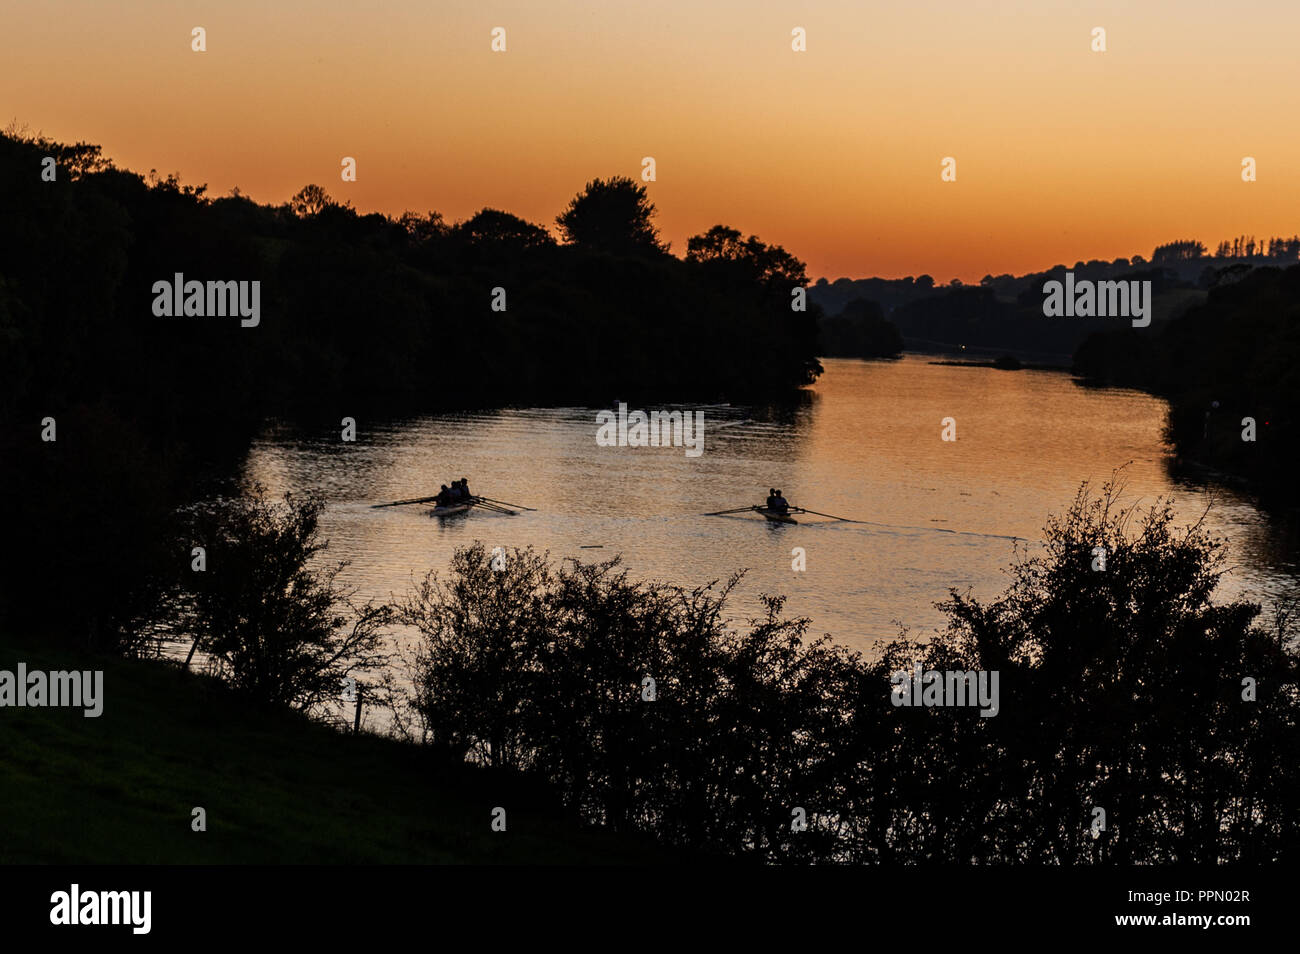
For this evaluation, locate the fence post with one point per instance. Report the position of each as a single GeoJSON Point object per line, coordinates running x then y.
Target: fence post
{"type": "Point", "coordinates": [356, 723]}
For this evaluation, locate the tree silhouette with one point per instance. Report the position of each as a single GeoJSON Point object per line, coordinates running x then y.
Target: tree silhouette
{"type": "Point", "coordinates": [507, 232]}
{"type": "Point", "coordinates": [750, 259]}
{"type": "Point", "coordinates": [612, 215]}
{"type": "Point", "coordinates": [423, 228]}
{"type": "Point", "coordinates": [1181, 251]}
{"type": "Point", "coordinates": [311, 200]}
{"type": "Point", "coordinates": [275, 626]}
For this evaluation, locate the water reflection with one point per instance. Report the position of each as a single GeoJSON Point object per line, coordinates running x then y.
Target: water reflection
{"type": "Point", "coordinates": [864, 443]}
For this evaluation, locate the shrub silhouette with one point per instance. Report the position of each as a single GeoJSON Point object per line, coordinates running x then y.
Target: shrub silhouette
{"type": "Point", "coordinates": [1121, 688]}
{"type": "Point", "coordinates": [276, 629]}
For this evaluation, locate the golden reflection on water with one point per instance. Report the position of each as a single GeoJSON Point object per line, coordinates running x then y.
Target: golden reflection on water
{"type": "Point", "coordinates": [864, 443]}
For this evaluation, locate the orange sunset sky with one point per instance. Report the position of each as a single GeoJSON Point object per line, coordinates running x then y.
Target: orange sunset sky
{"type": "Point", "coordinates": [1062, 153]}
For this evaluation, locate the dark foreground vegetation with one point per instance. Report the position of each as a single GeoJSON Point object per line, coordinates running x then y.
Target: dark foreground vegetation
{"type": "Point", "coordinates": [1123, 689]}
{"type": "Point", "coordinates": [643, 709]}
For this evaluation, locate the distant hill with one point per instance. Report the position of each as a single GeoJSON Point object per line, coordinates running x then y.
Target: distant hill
{"type": "Point", "coordinates": [1004, 314]}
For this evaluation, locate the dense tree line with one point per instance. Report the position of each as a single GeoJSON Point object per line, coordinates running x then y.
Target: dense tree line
{"type": "Point", "coordinates": [1179, 251]}
{"type": "Point", "coordinates": [1003, 314]}
{"type": "Point", "coordinates": [1283, 250]}
{"type": "Point", "coordinates": [373, 310]}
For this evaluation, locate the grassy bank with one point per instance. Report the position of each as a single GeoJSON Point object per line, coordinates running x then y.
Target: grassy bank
{"type": "Point", "coordinates": [277, 788]}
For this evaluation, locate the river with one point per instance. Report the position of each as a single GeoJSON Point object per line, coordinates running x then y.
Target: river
{"type": "Point", "coordinates": [864, 443]}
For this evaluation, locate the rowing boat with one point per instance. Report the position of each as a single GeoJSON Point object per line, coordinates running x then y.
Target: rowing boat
{"type": "Point", "coordinates": [459, 506]}
{"type": "Point", "coordinates": [776, 516]}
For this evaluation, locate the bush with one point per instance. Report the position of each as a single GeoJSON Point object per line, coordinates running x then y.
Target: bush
{"type": "Point", "coordinates": [546, 670]}
{"type": "Point", "coordinates": [277, 630]}
{"type": "Point", "coordinates": [1122, 688]}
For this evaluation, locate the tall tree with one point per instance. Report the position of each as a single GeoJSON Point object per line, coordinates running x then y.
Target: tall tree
{"type": "Point", "coordinates": [612, 215]}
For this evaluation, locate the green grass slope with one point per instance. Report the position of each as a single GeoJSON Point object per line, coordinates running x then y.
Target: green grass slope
{"type": "Point", "coordinates": [277, 788]}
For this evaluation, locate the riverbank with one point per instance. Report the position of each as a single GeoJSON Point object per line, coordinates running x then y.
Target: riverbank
{"type": "Point", "coordinates": [1226, 368]}
{"type": "Point", "coordinates": [276, 787]}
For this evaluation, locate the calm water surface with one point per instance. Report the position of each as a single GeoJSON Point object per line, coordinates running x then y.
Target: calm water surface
{"type": "Point", "coordinates": [865, 444]}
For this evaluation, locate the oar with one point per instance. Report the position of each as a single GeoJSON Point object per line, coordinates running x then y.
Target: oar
{"type": "Point", "coordinates": [398, 503]}
{"type": "Point", "coordinates": [493, 506]}
{"type": "Point", "coordinates": [831, 515]}
{"type": "Point", "coordinates": [506, 503]}
{"type": "Point", "coordinates": [720, 513]}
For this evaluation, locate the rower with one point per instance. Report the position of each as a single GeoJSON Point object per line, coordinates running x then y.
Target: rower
{"type": "Point", "coordinates": [443, 498]}
{"type": "Point", "coordinates": [464, 488]}
{"type": "Point", "coordinates": [771, 499]}
{"type": "Point", "coordinates": [778, 503]}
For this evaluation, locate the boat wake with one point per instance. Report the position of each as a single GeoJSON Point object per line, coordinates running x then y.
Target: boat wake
{"type": "Point", "coordinates": [850, 525]}
{"type": "Point", "coordinates": [960, 533]}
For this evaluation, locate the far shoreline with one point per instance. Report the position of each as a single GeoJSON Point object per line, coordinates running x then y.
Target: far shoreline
{"type": "Point", "coordinates": [1001, 364]}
